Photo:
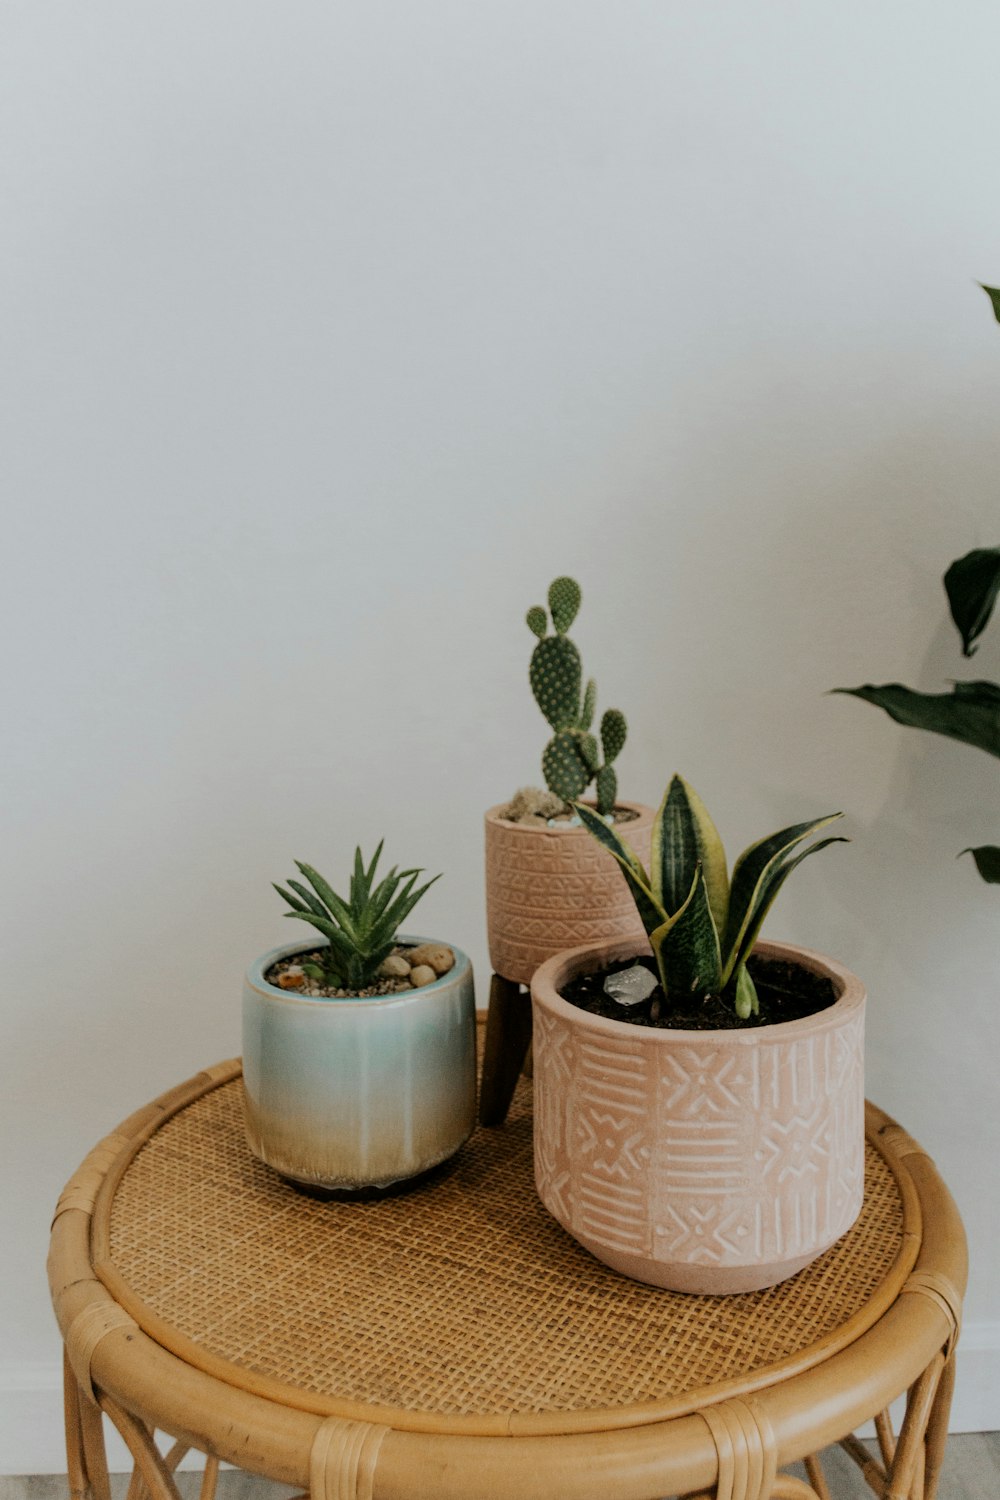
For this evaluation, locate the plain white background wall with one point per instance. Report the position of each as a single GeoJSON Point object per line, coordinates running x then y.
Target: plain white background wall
{"type": "Point", "coordinates": [331, 333]}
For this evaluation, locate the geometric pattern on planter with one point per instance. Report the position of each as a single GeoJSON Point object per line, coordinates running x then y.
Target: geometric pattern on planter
{"type": "Point", "coordinates": [703, 1152]}
{"type": "Point", "coordinates": [551, 890]}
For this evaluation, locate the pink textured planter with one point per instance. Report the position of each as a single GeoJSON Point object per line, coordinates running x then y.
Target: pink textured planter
{"type": "Point", "coordinates": [701, 1161]}
{"type": "Point", "coordinates": [548, 889]}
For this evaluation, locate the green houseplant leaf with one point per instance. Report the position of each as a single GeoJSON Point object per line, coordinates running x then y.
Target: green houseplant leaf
{"type": "Point", "coordinates": [972, 584]}
{"type": "Point", "coordinates": [684, 837]}
{"type": "Point", "coordinates": [987, 857]}
{"type": "Point", "coordinates": [700, 928]}
{"type": "Point", "coordinates": [970, 712]}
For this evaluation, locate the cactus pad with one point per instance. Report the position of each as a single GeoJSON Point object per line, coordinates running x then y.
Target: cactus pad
{"type": "Point", "coordinates": [555, 681]}
{"type": "Point", "coordinates": [606, 784]}
{"type": "Point", "coordinates": [613, 733]}
{"type": "Point", "coordinates": [589, 752]}
{"type": "Point", "coordinates": [538, 620]}
{"type": "Point", "coordinates": [563, 767]}
{"type": "Point", "coordinates": [564, 601]}
{"type": "Point", "coordinates": [589, 704]}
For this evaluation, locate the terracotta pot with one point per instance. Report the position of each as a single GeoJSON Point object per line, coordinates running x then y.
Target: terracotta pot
{"type": "Point", "coordinates": [549, 889]}
{"type": "Point", "coordinates": [358, 1093]}
{"type": "Point", "coordinates": [702, 1161]}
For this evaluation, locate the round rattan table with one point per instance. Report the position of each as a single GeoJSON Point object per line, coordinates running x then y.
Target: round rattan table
{"type": "Point", "coordinates": [453, 1342]}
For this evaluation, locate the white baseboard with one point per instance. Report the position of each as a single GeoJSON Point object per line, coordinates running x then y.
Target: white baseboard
{"type": "Point", "coordinates": [31, 1434]}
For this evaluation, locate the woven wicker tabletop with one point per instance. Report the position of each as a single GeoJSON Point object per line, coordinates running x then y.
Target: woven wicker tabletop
{"type": "Point", "coordinates": [457, 1303]}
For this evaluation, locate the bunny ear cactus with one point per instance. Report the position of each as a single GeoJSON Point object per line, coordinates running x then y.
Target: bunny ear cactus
{"type": "Point", "coordinates": [701, 924]}
{"type": "Point", "coordinates": [360, 931]}
{"type": "Point", "coordinates": [571, 760]}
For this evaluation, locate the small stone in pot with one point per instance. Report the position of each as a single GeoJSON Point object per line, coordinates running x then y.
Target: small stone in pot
{"type": "Point", "coordinates": [630, 986]}
{"type": "Point", "coordinates": [437, 955]}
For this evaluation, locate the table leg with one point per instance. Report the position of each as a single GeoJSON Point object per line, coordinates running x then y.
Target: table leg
{"type": "Point", "coordinates": [508, 1034]}
{"type": "Point", "coordinates": [76, 1463]}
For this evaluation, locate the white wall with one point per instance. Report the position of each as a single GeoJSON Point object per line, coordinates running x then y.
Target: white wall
{"type": "Point", "coordinates": [330, 334]}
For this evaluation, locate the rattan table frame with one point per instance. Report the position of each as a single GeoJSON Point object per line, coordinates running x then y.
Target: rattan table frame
{"type": "Point", "coordinates": [732, 1447]}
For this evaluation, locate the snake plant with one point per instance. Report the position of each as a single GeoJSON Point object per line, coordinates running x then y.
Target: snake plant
{"type": "Point", "coordinates": [701, 924]}
{"type": "Point", "coordinates": [360, 931]}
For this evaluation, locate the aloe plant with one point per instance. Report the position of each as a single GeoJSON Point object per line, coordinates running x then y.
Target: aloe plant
{"type": "Point", "coordinates": [571, 759]}
{"type": "Point", "coordinates": [701, 924]}
{"type": "Point", "coordinates": [360, 931]}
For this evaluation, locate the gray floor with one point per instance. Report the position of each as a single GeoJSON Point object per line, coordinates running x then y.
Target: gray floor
{"type": "Point", "coordinates": [971, 1472]}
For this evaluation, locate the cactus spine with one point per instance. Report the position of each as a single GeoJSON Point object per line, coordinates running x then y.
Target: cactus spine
{"type": "Point", "coordinates": [571, 759]}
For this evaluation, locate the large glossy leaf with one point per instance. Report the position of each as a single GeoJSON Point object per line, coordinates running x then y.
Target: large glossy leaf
{"type": "Point", "coordinates": [751, 874]}
{"type": "Point", "coordinates": [987, 857]}
{"type": "Point", "coordinates": [993, 293]}
{"type": "Point", "coordinates": [687, 947]}
{"type": "Point", "coordinates": [970, 712]}
{"type": "Point", "coordinates": [684, 837]}
{"type": "Point", "coordinates": [972, 584]}
{"type": "Point", "coordinates": [649, 909]}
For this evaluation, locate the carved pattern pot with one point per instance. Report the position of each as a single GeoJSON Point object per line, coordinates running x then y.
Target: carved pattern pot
{"type": "Point", "coordinates": [549, 889]}
{"type": "Point", "coordinates": [701, 1161]}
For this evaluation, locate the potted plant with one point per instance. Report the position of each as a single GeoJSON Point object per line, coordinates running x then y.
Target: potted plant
{"type": "Point", "coordinates": [548, 887]}
{"type": "Point", "coordinates": [699, 1097]}
{"type": "Point", "coordinates": [359, 1050]}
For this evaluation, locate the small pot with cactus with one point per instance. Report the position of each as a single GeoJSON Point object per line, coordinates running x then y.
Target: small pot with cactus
{"type": "Point", "coordinates": [548, 886]}
{"type": "Point", "coordinates": [359, 1046]}
{"type": "Point", "coordinates": [699, 1095]}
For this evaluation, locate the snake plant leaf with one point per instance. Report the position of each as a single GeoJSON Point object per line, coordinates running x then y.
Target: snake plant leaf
{"type": "Point", "coordinates": [344, 914]}
{"type": "Point", "coordinates": [538, 620]}
{"type": "Point", "coordinates": [752, 874]}
{"type": "Point", "coordinates": [564, 602]}
{"type": "Point", "coordinates": [649, 909]}
{"type": "Point", "coordinates": [686, 947]}
{"type": "Point", "coordinates": [684, 836]}
{"type": "Point", "coordinates": [994, 295]}
{"type": "Point", "coordinates": [746, 1003]}
{"type": "Point", "coordinates": [970, 712]}
{"type": "Point", "coordinates": [987, 857]}
{"type": "Point", "coordinates": [972, 584]}
{"type": "Point", "coordinates": [771, 883]}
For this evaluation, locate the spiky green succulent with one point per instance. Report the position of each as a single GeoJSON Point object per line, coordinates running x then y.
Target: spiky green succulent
{"type": "Point", "coordinates": [361, 931]}
{"type": "Point", "coordinates": [701, 925]}
{"type": "Point", "coordinates": [571, 759]}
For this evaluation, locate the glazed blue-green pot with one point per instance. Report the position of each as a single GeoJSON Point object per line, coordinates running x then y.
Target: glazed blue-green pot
{"type": "Point", "coordinates": [347, 1094]}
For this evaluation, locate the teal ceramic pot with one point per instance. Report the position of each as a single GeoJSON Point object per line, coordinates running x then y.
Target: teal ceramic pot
{"type": "Point", "coordinates": [348, 1094]}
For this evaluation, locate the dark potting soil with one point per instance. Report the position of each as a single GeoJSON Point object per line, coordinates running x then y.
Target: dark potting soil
{"type": "Point", "coordinates": [786, 992]}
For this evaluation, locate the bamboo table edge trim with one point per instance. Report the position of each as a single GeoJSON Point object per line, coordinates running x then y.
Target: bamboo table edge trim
{"type": "Point", "coordinates": [894, 1145]}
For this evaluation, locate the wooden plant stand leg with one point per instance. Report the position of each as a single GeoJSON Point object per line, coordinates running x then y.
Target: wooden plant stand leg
{"type": "Point", "coordinates": [508, 1035]}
